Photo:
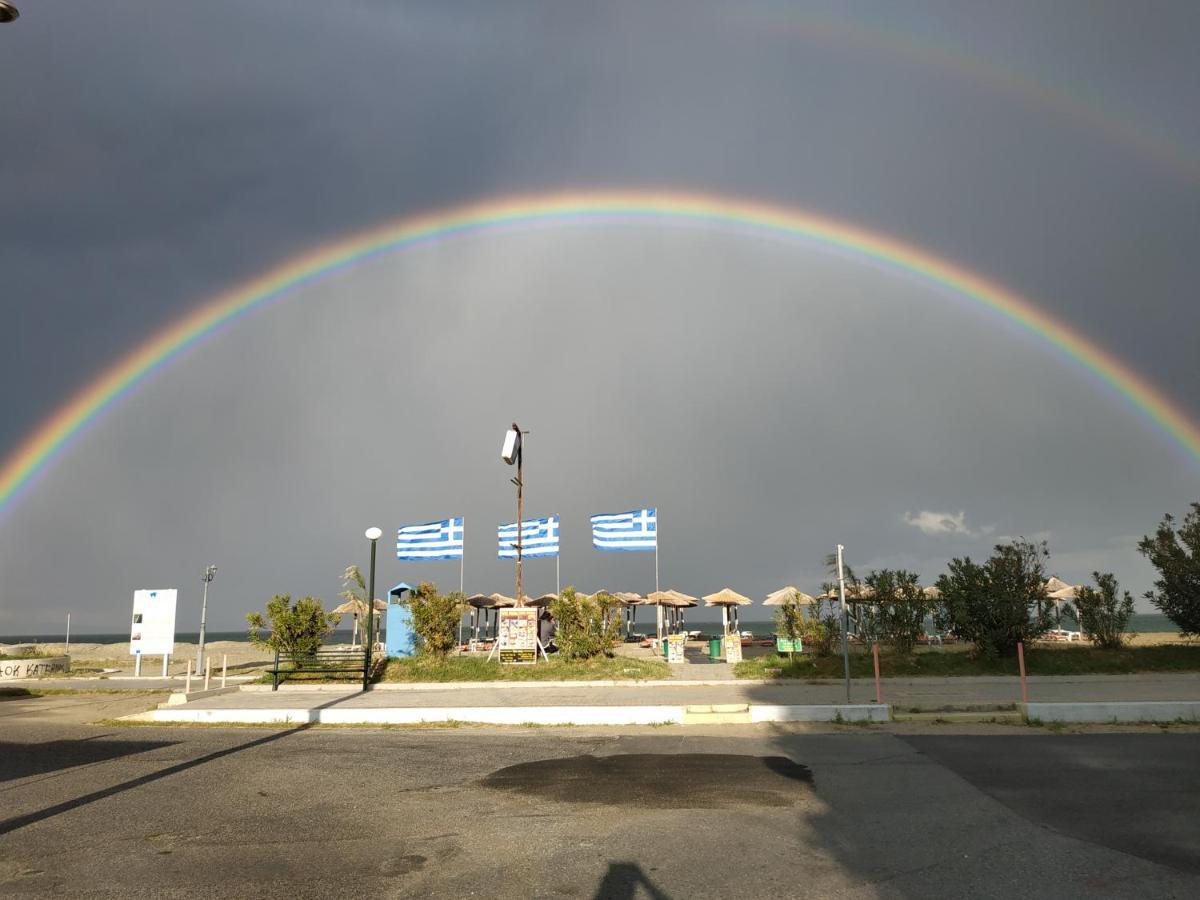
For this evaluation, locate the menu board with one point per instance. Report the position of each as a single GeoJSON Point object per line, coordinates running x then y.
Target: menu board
{"type": "Point", "coordinates": [152, 632]}
{"type": "Point", "coordinates": [518, 635]}
{"type": "Point", "coordinates": [675, 644]}
{"type": "Point", "coordinates": [733, 647]}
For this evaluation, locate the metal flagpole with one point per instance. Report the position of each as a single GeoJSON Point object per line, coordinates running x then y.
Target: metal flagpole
{"type": "Point", "coordinates": [845, 621]}
{"type": "Point", "coordinates": [557, 576]}
{"type": "Point", "coordinates": [659, 616]}
{"type": "Point", "coordinates": [461, 564]}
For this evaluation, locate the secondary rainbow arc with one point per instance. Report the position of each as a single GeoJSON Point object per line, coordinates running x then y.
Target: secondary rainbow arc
{"type": "Point", "coordinates": [52, 437]}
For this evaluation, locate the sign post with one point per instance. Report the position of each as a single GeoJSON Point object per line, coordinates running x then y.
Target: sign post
{"type": "Point", "coordinates": [152, 631]}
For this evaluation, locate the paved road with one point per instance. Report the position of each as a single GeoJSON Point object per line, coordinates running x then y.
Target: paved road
{"type": "Point", "coordinates": [752, 811]}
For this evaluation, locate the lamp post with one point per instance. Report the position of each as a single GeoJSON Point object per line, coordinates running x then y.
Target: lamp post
{"type": "Point", "coordinates": [8, 12]}
{"type": "Point", "coordinates": [511, 453]}
{"type": "Point", "coordinates": [210, 572]}
{"type": "Point", "coordinates": [845, 621]}
{"type": "Point", "coordinates": [373, 535]}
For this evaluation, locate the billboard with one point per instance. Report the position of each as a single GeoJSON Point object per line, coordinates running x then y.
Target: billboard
{"type": "Point", "coordinates": [518, 635]}
{"type": "Point", "coordinates": [152, 632]}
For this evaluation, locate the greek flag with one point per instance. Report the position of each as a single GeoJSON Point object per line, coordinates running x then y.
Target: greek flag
{"type": "Point", "coordinates": [539, 537]}
{"type": "Point", "coordinates": [635, 530]}
{"type": "Point", "coordinates": [431, 540]}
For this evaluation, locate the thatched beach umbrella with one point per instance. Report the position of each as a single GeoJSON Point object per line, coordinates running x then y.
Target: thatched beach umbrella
{"type": "Point", "coordinates": [358, 608]}
{"type": "Point", "coordinates": [542, 601]}
{"type": "Point", "coordinates": [729, 600]}
{"type": "Point", "coordinates": [787, 594]}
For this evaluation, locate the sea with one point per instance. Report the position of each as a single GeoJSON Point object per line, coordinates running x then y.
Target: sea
{"type": "Point", "coordinates": [1141, 623]}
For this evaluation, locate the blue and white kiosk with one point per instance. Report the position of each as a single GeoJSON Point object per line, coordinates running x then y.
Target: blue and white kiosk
{"type": "Point", "coordinates": [401, 639]}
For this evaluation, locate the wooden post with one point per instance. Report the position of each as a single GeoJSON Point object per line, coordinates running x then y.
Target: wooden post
{"type": "Point", "coordinates": [187, 684]}
{"type": "Point", "coordinates": [875, 653]}
{"type": "Point", "coordinates": [1021, 663]}
{"type": "Point", "coordinates": [207, 671]}
{"type": "Point", "coordinates": [224, 667]}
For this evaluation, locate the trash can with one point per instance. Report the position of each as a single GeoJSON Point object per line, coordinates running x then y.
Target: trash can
{"type": "Point", "coordinates": [714, 648]}
{"type": "Point", "coordinates": [664, 648]}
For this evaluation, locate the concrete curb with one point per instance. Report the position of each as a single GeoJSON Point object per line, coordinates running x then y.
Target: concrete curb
{"type": "Point", "coordinates": [334, 687]}
{"type": "Point", "coordinates": [1113, 711]}
{"type": "Point", "coordinates": [504, 715]}
{"type": "Point", "coordinates": [179, 698]}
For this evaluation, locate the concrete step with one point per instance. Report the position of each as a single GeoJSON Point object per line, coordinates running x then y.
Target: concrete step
{"type": "Point", "coordinates": [717, 714]}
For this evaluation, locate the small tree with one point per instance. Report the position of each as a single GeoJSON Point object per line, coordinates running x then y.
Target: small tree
{"type": "Point", "coordinates": [1001, 602]}
{"type": "Point", "coordinates": [1104, 614]}
{"type": "Point", "coordinates": [354, 590]}
{"type": "Point", "coordinates": [900, 607]}
{"type": "Point", "coordinates": [789, 619]}
{"type": "Point", "coordinates": [295, 630]}
{"type": "Point", "coordinates": [585, 630]}
{"type": "Point", "coordinates": [1176, 555]}
{"type": "Point", "coordinates": [435, 618]}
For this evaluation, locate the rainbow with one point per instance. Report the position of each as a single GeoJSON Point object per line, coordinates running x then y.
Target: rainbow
{"type": "Point", "coordinates": [54, 436]}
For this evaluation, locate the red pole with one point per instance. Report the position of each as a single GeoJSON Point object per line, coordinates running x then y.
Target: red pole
{"type": "Point", "coordinates": [1021, 663]}
{"type": "Point", "coordinates": [875, 653]}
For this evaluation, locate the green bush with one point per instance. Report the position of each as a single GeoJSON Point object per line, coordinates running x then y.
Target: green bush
{"type": "Point", "coordinates": [435, 618]}
{"type": "Point", "coordinates": [899, 608]}
{"type": "Point", "coordinates": [1176, 555]}
{"type": "Point", "coordinates": [585, 630]}
{"type": "Point", "coordinates": [1104, 613]}
{"type": "Point", "coordinates": [789, 620]}
{"type": "Point", "coordinates": [295, 630]}
{"type": "Point", "coordinates": [1000, 603]}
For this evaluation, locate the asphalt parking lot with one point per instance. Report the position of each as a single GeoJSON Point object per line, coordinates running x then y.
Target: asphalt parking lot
{"type": "Point", "coordinates": [750, 811]}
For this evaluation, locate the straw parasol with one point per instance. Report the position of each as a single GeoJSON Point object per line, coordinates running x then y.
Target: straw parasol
{"type": "Point", "coordinates": [727, 597]}
{"type": "Point", "coordinates": [544, 600]}
{"type": "Point", "coordinates": [932, 592]}
{"type": "Point", "coordinates": [499, 601]}
{"type": "Point", "coordinates": [629, 598]}
{"type": "Point", "coordinates": [787, 594]}
{"type": "Point", "coordinates": [729, 600]}
{"type": "Point", "coordinates": [357, 607]}
{"type": "Point", "coordinates": [1054, 584]}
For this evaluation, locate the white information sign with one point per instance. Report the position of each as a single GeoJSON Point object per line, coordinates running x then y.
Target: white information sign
{"type": "Point", "coordinates": [733, 647]}
{"type": "Point", "coordinates": [153, 630]}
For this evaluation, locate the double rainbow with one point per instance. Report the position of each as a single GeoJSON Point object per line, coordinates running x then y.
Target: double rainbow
{"type": "Point", "coordinates": [52, 438]}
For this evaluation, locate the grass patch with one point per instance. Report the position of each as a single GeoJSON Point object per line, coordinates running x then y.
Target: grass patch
{"type": "Point", "coordinates": [1054, 659]}
{"type": "Point", "coordinates": [465, 668]}
{"type": "Point", "coordinates": [15, 693]}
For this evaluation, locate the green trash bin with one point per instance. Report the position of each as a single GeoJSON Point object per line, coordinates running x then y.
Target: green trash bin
{"type": "Point", "coordinates": [714, 648]}
{"type": "Point", "coordinates": [664, 646]}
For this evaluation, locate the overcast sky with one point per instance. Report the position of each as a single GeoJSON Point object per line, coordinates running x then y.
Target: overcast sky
{"type": "Point", "coordinates": [771, 399]}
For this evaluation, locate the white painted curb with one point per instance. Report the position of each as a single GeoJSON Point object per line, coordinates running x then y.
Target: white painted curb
{"type": "Point", "coordinates": [504, 715]}
{"type": "Point", "coordinates": [1114, 711]}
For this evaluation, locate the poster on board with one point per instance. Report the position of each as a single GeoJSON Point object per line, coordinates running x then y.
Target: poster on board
{"type": "Point", "coordinates": [675, 644]}
{"type": "Point", "coordinates": [733, 647]}
{"type": "Point", "coordinates": [152, 632]}
{"type": "Point", "coordinates": [518, 635]}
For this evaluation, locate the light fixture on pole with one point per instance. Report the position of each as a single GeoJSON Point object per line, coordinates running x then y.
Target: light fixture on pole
{"type": "Point", "coordinates": [511, 453]}
{"type": "Point", "coordinates": [210, 572]}
{"type": "Point", "coordinates": [373, 535]}
{"type": "Point", "coordinates": [8, 12]}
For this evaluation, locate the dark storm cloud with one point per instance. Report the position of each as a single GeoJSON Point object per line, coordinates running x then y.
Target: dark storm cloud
{"type": "Point", "coordinates": [160, 153]}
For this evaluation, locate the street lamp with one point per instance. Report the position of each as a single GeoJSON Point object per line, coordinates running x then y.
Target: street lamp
{"type": "Point", "coordinates": [511, 453]}
{"type": "Point", "coordinates": [373, 535]}
{"type": "Point", "coordinates": [8, 12]}
{"type": "Point", "coordinates": [210, 572]}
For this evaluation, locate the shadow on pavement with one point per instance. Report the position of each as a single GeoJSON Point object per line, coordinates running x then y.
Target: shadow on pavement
{"type": "Point", "coordinates": [16, 822]}
{"type": "Point", "coordinates": [20, 760]}
{"type": "Point", "coordinates": [622, 881]}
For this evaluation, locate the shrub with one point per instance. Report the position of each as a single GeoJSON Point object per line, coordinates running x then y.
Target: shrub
{"type": "Point", "coordinates": [999, 603]}
{"type": "Point", "coordinates": [1176, 555]}
{"type": "Point", "coordinates": [1103, 614]}
{"type": "Point", "coordinates": [295, 630]}
{"type": "Point", "coordinates": [899, 607]}
{"type": "Point", "coordinates": [789, 620]}
{"type": "Point", "coordinates": [435, 618]}
{"type": "Point", "coordinates": [585, 630]}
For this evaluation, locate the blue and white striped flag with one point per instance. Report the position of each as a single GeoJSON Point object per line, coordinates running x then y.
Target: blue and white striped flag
{"type": "Point", "coordinates": [431, 540]}
{"type": "Point", "coordinates": [539, 537]}
{"type": "Point", "coordinates": [635, 530]}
